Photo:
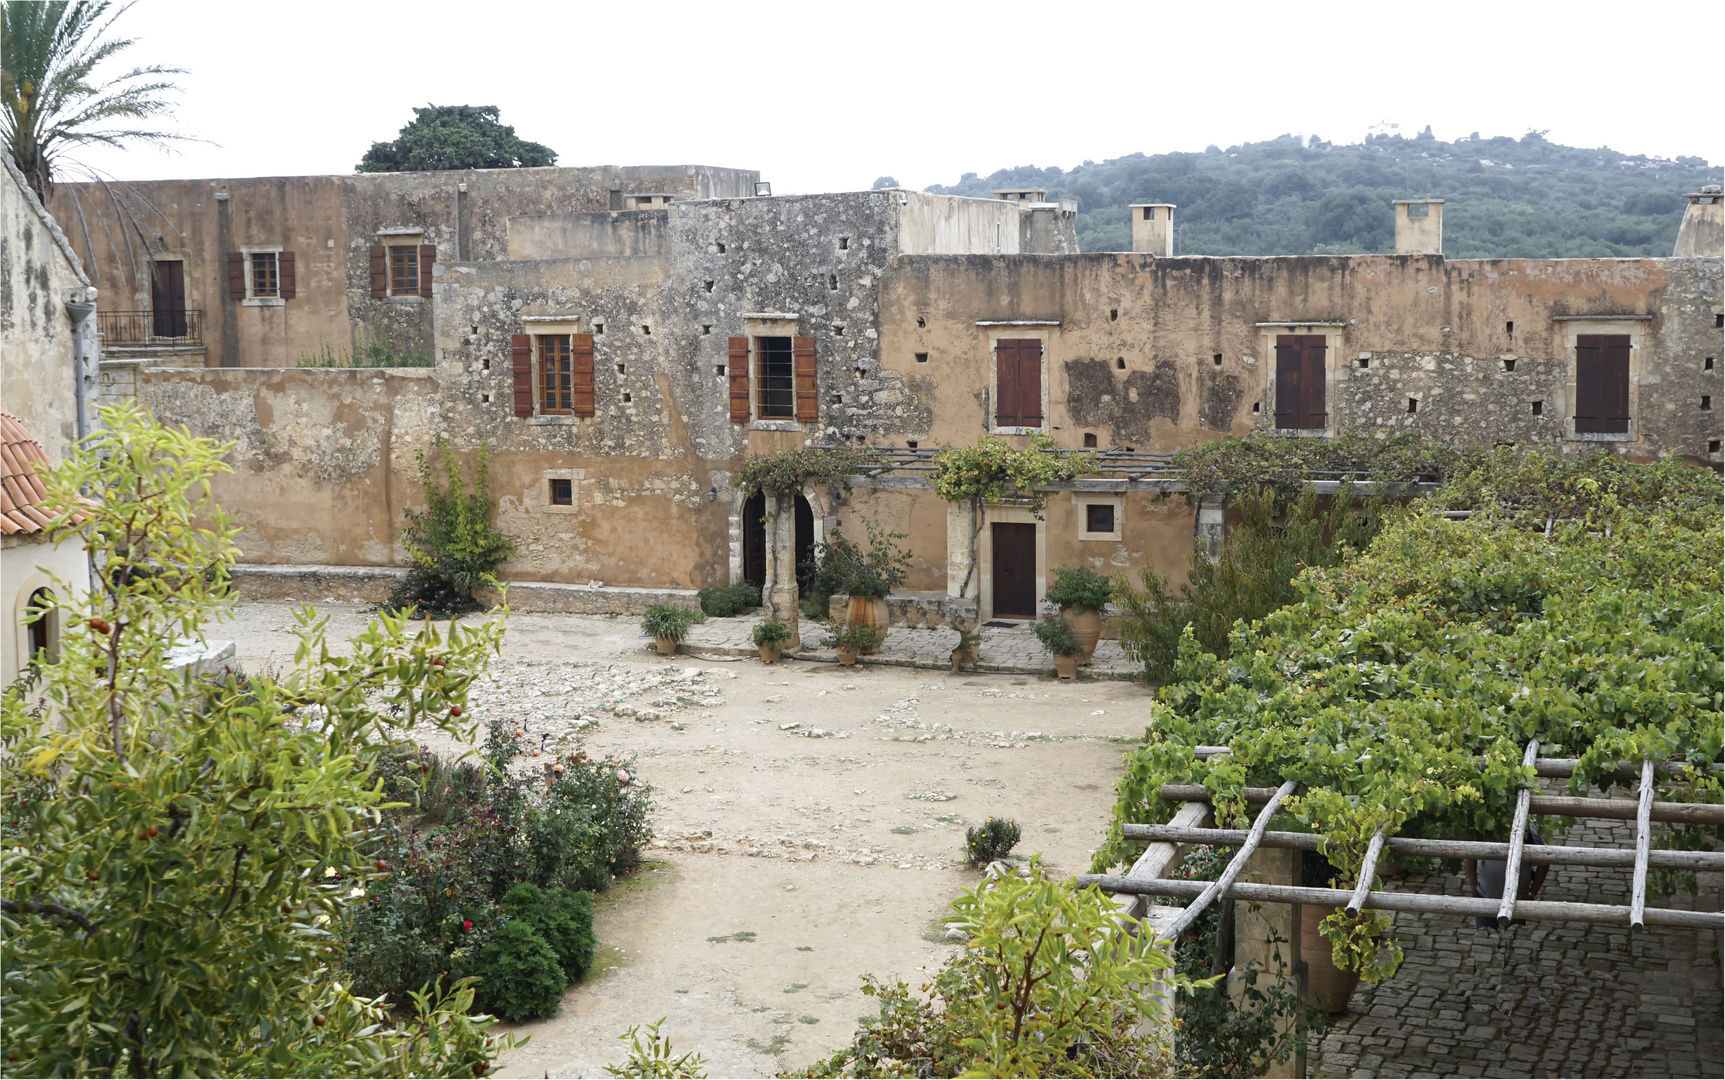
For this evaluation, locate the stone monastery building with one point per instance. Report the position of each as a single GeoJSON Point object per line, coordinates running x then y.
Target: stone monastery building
{"type": "Point", "coordinates": [622, 338]}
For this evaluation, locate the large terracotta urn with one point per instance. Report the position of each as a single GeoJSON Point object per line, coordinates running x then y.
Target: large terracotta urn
{"type": "Point", "coordinates": [1322, 974]}
{"type": "Point", "coordinates": [868, 611]}
{"type": "Point", "coordinates": [1087, 628]}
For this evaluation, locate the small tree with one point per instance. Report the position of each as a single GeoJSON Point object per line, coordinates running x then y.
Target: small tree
{"type": "Point", "coordinates": [455, 137]}
{"type": "Point", "coordinates": [454, 543]}
{"type": "Point", "coordinates": [180, 845]}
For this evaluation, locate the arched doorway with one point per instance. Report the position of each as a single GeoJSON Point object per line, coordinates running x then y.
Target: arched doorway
{"type": "Point", "coordinates": [39, 627]}
{"type": "Point", "coordinates": [755, 538]}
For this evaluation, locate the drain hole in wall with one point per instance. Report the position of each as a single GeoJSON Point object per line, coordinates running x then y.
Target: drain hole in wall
{"type": "Point", "coordinates": [1120, 362]}
{"type": "Point", "coordinates": [1216, 359]}
{"type": "Point", "coordinates": [625, 397]}
{"type": "Point", "coordinates": [1509, 365]}
{"type": "Point", "coordinates": [922, 358]}
{"type": "Point", "coordinates": [1539, 408]}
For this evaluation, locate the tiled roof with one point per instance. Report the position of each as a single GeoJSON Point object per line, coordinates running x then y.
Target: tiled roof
{"type": "Point", "coordinates": [23, 505]}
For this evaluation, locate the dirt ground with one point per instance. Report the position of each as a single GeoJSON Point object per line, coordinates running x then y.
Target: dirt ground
{"type": "Point", "coordinates": [810, 822]}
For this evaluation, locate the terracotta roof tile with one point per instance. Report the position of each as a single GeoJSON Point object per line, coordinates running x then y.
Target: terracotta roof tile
{"type": "Point", "coordinates": [23, 497]}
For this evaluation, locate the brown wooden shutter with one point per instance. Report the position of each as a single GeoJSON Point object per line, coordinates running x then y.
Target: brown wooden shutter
{"type": "Point", "coordinates": [521, 362]}
{"type": "Point", "coordinates": [1313, 411]}
{"type": "Point", "coordinates": [379, 272]}
{"type": "Point", "coordinates": [285, 280]}
{"type": "Point", "coordinates": [738, 370]}
{"type": "Point", "coordinates": [1602, 383]}
{"type": "Point", "coordinates": [803, 364]}
{"type": "Point", "coordinates": [1287, 381]}
{"type": "Point", "coordinates": [427, 256]}
{"type": "Point", "coordinates": [581, 373]}
{"type": "Point", "coordinates": [1030, 383]}
{"type": "Point", "coordinates": [1018, 383]}
{"type": "Point", "coordinates": [236, 275]}
{"type": "Point", "coordinates": [1300, 382]}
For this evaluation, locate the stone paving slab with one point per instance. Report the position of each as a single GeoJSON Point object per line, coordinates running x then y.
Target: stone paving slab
{"type": "Point", "coordinates": [1010, 650]}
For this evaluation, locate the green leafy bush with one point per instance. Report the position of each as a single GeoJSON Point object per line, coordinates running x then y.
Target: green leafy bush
{"type": "Point", "coordinates": [1055, 633]}
{"type": "Point", "coordinates": [519, 976]}
{"type": "Point", "coordinates": [854, 636]}
{"type": "Point", "coordinates": [994, 470]}
{"type": "Point", "coordinates": [993, 839]}
{"type": "Point", "coordinates": [653, 1061]}
{"type": "Point", "coordinates": [1080, 588]}
{"type": "Point", "coordinates": [670, 621]}
{"type": "Point", "coordinates": [796, 470]}
{"type": "Point", "coordinates": [453, 540]}
{"type": "Point", "coordinates": [1045, 986]}
{"type": "Point", "coordinates": [172, 846]}
{"type": "Point", "coordinates": [724, 601]}
{"type": "Point", "coordinates": [564, 919]}
{"type": "Point", "coordinates": [839, 565]}
{"type": "Point", "coordinates": [771, 633]}
{"type": "Point", "coordinates": [421, 593]}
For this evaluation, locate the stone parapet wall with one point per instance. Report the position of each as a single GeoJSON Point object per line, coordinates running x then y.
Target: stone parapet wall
{"type": "Point", "coordinates": [559, 598]}
{"type": "Point", "coordinates": [372, 584]}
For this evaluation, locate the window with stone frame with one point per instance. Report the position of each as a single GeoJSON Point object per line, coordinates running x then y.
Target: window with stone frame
{"type": "Point", "coordinates": [404, 270]}
{"type": "Point", "coordinates": [775, 379]}
{"type": "Point", "coordinates": [556, 375]}
{"type": "Point", "coordinates": [266, 276]}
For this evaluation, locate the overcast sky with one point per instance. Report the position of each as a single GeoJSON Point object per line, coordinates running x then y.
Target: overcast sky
{"type": "Point", "coordinates": [827, 97]}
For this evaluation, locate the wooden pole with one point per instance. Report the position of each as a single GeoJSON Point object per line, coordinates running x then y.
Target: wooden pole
{"type": "Point", "coordinates": [1536, 910]}
{"type": "Point", "coordinates": [1659, 859]}
{"type": "Point", "coordinates": [1160, 857]}
{"type": "Point", "coordinates": [1643, 841]}
{"type": "Point", "coordinates": [1220, 886]}
{"type": "Point", "coordinates": [1368, 867]}
{"type": "Point", "coordinates": [1517, 839]}
{"type": "Point", "coordinates": [1544, 805]}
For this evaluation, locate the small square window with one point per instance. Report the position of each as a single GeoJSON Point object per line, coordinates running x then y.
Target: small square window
{"type": "Point", "coordinates": [1090, 443]}
{"type": "Point", "coordinates": [1365, 363]}
{"type": "Point", "coordinates": [844, 243]}
{"type": "Point", "coordinates": [718, 369]}
{"type": "Point", "coordinates": [621, 369]}
{"type": "Point", "coordinates": [709, 286]}
{"type": "Point", "coordinates": [562, 492]}
{"type": "Point", "coordinates": [626, 398]}
{"type": "Point", "coordinates": [922, 358]}
{"type": "Point", "coordinates": [1712, 446]}
{"type": "Point", "coordinates": [1216, 359]}
{"type": "Point", "coordinates": [1707, 364]}
{"type": "Point", "coordinates": [1099, 517]}
{"type": "Point", "coordinates": [706, 328]}
{"type": "Point", "coordinates": [1539, 408]}
{"type": "Point", "coordinates": [1413, 406]}
{"type": "Point", "coordinates": [1509, 365]}
{"type": "Point", "coordinates": [598, 328]}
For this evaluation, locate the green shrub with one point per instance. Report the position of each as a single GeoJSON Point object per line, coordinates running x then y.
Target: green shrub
{"type": "Point", "coordinates": [724, 601]}
{"type": "Point", "coordinates": [423, 593]}
{"type": "Point", "coordinates": [654, 1061]}
{"type": "Point", "coordinates": [771, 633]}
{"type": "Point", "coordinates": [519, 976]}
{"type": "Point", "coordinates": [815, 607]}
{"type": "Point", "coordinates": [993, 839]}
{"type": "Point", "coordinates": [453, 539]}
{"type": "Point", "coordinates": [854, 636]}
{"type": "Point", "coordinates": [1080, 588]}
{"type": "Point", "coordinates": [564, 919]}
{"type": "Point", "coordinates": [669, 621]}
{"type": "Point", "coordinates": [1055, 633]}
{"type": "Point", "coordinates": [839, 565]}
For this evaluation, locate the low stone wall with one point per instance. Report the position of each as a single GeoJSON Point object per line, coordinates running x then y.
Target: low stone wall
{"type": "Point", "coordinates": [555, 597]}
{"type": "Point", "coordinates": [372, 584]}
{"type": "Point", "coordinates": [934, 610]}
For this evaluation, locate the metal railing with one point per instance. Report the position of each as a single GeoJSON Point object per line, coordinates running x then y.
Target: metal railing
{"type": "Point", "coordinates": [151, 327]}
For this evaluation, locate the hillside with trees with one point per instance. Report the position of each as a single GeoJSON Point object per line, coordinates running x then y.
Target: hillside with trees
{"type": "Point", "coordinates": [1504, 197]}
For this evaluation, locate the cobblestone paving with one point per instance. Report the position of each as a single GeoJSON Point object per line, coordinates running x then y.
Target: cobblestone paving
{"type": "Point", "coordinates": [1545, 998]}
{"type": "Point", "coordinates": [1004, 649]}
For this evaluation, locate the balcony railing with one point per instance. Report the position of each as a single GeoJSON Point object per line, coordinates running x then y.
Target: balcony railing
{"type": "Point", "coordinates": [151, 327]}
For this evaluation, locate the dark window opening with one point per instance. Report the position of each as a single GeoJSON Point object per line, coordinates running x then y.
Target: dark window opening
{"type": "Point", "coordinates": [1707, 364]}
{"type": "Point", "coordinates": [1718, 321]}
{"type": "Point", "coordinates": [910, 443]}
{"type": "Point", "coordinates": [837, 399]}
{"type": "Point", "coordinates": [1113, 314]}
{"type": "Point", "coordinates": [556, 375]}
{"type": "Point", "coordinates": [718, 369]}
{"type": "Point", "coordinates": [1365, 362]}
{"type": "Point", "coordinates": [721, 246]}
{"type": "Point", "coordinates": [838, 328]}
{"type": "Point", "coordinates": [40, 627]}
{"type": "Point", "coordinates": [474, 330]}
{"type": "Point", "coordinates": [1149, 213]}
{"type": "Point", "coordinates": [404, 271]}
{"type": "Point", "coordinates": [1539, 408]}
{"type": "Point", "coordinates": [1257, 406]}
{"type": "Point", "coordinates": [1509, 365]}
{"type": "Point", "coordinates": [562, 493]}
{"type": "Point", "coordinates": [709, 286]}
{"type": "Point", "coordinates": [1090, 440]}
{"type": "Point", "coordinates": [921, 323]}
{"type": "Point", "coordinates": [1216, 359]}
{"type": "Point", "coordinates": [598, 328]}
{"type": "Point", "coordinates": [645, 329]}
{"type": "Point", "coordinates": [706, 328]}
{"type": "Point", "coordinates": [626, 397]}
{"type": "Point", "coordinates": [485, 363]}
{"type": "Point", "coordinates": [1413, 406]}
{"type": "Point", "coordinates": [1120, 363]}
{"type": "Point", "coordinates": [844, 243]}
{"type": "Point", "coordinates": [833, 282]}
{"type": "Point", "coordinates": [1712, 446]}
{"type": "Point", "coordinates": [266, 280]}
{"type": "Point", "coordinates": [1099, 517]}
{"type": "Point", "coordinates": [922, 358]}
{"type": "Point", "coordinates": [485, 399]}
{"type": "Point", "coordinates": [775, 379]}
{"type": "Point", "coordinates": [1509, 328]}
{"type": "Point", "coordinates": [1706, 402]}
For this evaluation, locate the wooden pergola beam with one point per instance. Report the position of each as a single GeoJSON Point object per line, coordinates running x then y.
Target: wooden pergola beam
{"type": "Point", "coordinates": [1517, 841]}
{"type": "Point", "coordinates": [1643, 842]}
{"type": "Point", "coordinates": [1219, 887]}
{"type": "Point", "coordinates": [1545, 805]}
{"type": "Point", "coordinates": [1626, 772]}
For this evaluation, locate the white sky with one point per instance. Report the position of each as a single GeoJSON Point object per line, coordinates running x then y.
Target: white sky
{"type": "Point", "coordinates": [826, 97]}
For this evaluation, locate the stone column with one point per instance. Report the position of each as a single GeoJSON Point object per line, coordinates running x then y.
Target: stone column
{"type": "Point", "coordinates": [1269, 934]}
{"type": "Point", "coordinates": [961, 580]}
{"type": "Point", "coordinates": [1212, 524]}
{"type": "Point", "coordinates": [779, 592]}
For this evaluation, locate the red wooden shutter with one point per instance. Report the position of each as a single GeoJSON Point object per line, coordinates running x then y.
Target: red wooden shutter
{"type": "Point", "coordinates": [581, 373]}
{"type": "Point", "coordinates": [739, 375]}
{"type": "Point", "coordinates": [284, 270]}
{"type": "Point", "coordinates": [521, 362]}
{"type": "Point", "coordinates": [236, 275]}
{"type": "Point", "coordinates": [1313, 414]}
{"type": "Point", "coordinates": [803, 364]}
{"type": "Point", "coordinates": [379, 272]}
{"type": "Point", "coordinates": [1288, 368]}
{"type": "Point", "coordinates": [427, 256]}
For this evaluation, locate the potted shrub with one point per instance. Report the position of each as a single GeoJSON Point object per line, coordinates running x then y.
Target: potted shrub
{"type": "Point", "coordinates": [1082, 593]}
{"type": "Point", "coordinates": [1055, 633]}
{"type": "Point", "coordinates": [771, 636]}
{"type": "Point", "coordinates": [850, 639]}
{"type": "Point", "coordinates": [842, 566]}
{"type": "Point", "coordinates": [669, 624]}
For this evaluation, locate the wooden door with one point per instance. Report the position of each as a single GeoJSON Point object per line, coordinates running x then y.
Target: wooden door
{"type": "Point", "coordinates": [1300, 372]}
{"type": "Point", "coordinates": [1014, 570]}
{"type": "Point", "coordinates": [1018, 382]}
{"type": "Point", "coordinates": [1602, 383]}
{"type": "Point", "coordinates": [168, 299]}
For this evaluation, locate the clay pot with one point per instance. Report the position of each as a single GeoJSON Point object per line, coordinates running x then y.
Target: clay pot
{"type": "Point", "coordinates": [1066, 666]}
{"type": "Point", "coordinates": [1087, 628]}
{"type": "Point", "coordinates": [667, 646]}
{"type": "Point", "coordinates": [769, 654]}
{"type": "Point", "coordinates": [868, 611]}
{"type": "Point", "coordinates": [1322, 975]}
{"type": "Point", "coordinates": [847, 657]}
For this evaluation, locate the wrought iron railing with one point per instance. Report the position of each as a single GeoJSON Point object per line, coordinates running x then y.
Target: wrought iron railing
{"type": "Point", "coordinates": [163, 327]}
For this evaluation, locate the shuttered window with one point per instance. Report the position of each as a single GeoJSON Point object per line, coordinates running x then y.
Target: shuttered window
{"type": "Point", "coordinates": [556, 384]}
{"type": "Point", "coordinates": [379, 272]}
{"type": "Point", "coordinates": [581, 374]}
{"type": "Point", "coordinates": [1602, 383]}
{"type": "Point", "coordinates": [286, 285]}
{"type": "Point", "coordinates": [737, 374]}
{"type": "Point", "coordinates": [265, 281]}
{"type": "Point", "coordinates": [808, 404]}
{"type": "Point", "coordinates": [1300, 397]}
{"type": "Point", "coordinates": [521, 365]}
{"type": "Point", "coordinates": [1018, 383]}
{"type": "Point", "coordinates": [404, 271]}
{"type": "Point", "coordinates": [236, 275]}
{"type": "Point", "coordinates": [775, 379]}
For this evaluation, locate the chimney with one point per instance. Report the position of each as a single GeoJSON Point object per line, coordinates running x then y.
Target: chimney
{"type": "Point", "coordinates": [1702, 234]}
{"type": "Point", "coordinates": [1419, 226]}
{"type": "Point", "coordinates": [1153, 228]}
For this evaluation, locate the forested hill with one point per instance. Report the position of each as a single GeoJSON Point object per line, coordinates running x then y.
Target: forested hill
{"type": "Point", "coordinates": [1504, 197]}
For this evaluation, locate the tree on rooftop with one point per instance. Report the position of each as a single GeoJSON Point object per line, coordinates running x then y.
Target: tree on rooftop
{"type": "Point", "coordinates": [52, 97]}
{"type": "Point", "coordinates": [456, 137]}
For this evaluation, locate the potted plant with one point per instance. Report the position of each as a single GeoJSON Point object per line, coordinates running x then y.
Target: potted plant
{"type": "Point", "coordinates": [1082, 593]}
{"type": "Point", "coordinates": [669, 624]}
{"type": "Point", "coordinates": [771, 636]}
{"type": "Point", "coordinates": [1055, 633]}
{"type": "Point", "coordinates": [850, 639]}
{"type": "Point", "coordinates": [842, 566]}
{"type": "Point", "coordinates": [1324, 980]}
